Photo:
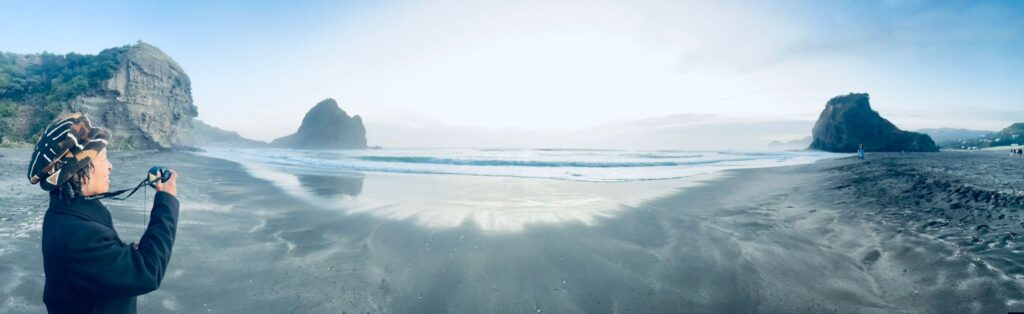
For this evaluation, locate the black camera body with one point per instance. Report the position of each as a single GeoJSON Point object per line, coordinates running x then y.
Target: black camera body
{"type": "Point", "coordinates": [158, 174]}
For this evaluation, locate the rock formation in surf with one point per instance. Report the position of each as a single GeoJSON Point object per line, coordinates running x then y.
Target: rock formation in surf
{"type": "Point", "coordinates": [326, 126]}
{"type": "Point", "coordinates": [848, 121]}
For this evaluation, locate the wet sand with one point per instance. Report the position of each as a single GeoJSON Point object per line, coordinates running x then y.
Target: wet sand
{"type": "Point", "coordinates": [911, 233]}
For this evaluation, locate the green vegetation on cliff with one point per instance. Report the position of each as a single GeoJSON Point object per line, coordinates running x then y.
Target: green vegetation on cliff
{"type": "Point", "coordinates": [35, 88]}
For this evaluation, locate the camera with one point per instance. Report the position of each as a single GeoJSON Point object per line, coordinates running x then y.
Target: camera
{"type": "Point", "coordinates": [158, 174]}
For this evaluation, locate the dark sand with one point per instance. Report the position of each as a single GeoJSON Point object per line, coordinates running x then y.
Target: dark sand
{"type": "Point", "coordinates": [937, 233]}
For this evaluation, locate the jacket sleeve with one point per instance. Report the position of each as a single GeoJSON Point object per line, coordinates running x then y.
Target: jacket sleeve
{"type": "Point", "coordinates": [100, 263]}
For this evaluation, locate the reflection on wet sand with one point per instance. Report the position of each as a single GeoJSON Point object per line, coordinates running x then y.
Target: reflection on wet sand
{"type": "Point", "coordinates": [494, 204]}
{"type": "Point", "coordinates": [332, 185]}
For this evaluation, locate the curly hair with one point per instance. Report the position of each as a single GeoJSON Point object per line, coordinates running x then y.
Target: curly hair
{"type": "Point", "coordinates": [72, 188]}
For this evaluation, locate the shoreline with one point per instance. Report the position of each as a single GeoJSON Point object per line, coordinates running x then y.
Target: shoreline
{"type": "Point", "coordinates": [810, 237]}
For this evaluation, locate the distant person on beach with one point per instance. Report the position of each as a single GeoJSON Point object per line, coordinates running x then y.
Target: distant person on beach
{"type": "Point", "coordinates": [860, 151]}
{"type": "Point", "coordinates": [88, 268]}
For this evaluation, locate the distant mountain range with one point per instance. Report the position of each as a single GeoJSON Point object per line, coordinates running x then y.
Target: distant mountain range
{"type": "Point", "coordinates": [794, 144]}
{"type": "Point", "coordinates": [210, 136]}
{"type": "Point", "coordinates": [944, 135]}
{"type": "Point", "coordinates": [1013, 134]}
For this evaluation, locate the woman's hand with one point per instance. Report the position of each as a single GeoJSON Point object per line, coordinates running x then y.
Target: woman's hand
{"type": "Point", "coordinates": [171, 186]}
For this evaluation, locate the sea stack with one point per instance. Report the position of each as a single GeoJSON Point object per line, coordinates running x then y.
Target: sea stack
{"type": "Point", "coordinates": [848, 121]}
{"type": "Point", "coordinates": [326, 126]}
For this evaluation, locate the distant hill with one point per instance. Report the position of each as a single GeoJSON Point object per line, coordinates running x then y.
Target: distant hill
{"type": "Point", "coordinates": [205, 135]}
{"type": "Point", "coordinates": [848, 121]}
{"type": "Point", "coordinates": [1014, 130]}
{"type": "Point", "coordinates": [1013, 134]}
{"type": "Point", "coordinates": [945, 135]}
{"type": "Point", "coordinates": [797, 143]}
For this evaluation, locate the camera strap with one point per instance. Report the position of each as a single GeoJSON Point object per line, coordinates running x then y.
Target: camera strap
{"type": "Point", "coordinates": [113, 194]}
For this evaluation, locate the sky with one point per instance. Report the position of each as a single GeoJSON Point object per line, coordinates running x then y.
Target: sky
{"type": "Point", "coordinates": [422, 72]}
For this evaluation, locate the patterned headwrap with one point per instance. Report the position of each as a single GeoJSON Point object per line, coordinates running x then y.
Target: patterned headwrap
{"type": "Point", "coordinates": [66, 146]}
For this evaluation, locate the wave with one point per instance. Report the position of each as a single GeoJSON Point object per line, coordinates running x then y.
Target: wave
{"type": "Point", "coordinates": [589, 166]}
{"type": "Point", "coordinates": [665, 156]}
{"type": "Point", "coordinates": [529, 163]}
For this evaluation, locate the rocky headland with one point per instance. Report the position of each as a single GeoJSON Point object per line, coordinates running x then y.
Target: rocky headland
{"type": "Point", "coordinates": [849, 121]}
{"type": "Point", "coordinates": [137, 91]}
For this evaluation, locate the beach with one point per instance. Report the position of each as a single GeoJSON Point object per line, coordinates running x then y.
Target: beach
{"type": "Point", "coordinates": [897, 233]}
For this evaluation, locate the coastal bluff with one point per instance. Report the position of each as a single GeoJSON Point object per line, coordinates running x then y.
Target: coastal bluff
{"type": "Point", "coordinates": [147, 103]}
{"type": "Point", "coordinates": [137, 91]}
{"type": "Point", "coordinates": [848, 121]}
{"type": "Point", "coordinates": [326, 126]}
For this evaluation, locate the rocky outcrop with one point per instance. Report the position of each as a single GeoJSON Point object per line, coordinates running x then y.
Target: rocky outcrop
{"type": "Point", "coordinates": [848, 121]}
{"type": "Point", "coordinates": [147, 103]}
{"type": "Point", "coordinates": [326, 126]}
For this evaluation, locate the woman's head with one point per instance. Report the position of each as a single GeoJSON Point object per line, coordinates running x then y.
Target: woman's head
{"type": "Point", "coordinates": [93, 178]}
{"type": "Point", "coordinates": [71, 159]}
{"type": "Point", "coordinates": [99, 178]}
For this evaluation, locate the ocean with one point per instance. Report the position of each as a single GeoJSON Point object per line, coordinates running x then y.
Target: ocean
{"type": "Point", "coordinates": [586, 165]}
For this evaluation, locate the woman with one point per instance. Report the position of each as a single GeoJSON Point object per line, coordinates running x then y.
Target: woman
{"type": "Point", "coordinates": [88, 268]}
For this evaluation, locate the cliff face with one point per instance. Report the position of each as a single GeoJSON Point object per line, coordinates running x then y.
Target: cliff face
{"type": "Point", "coordinates": [136, 91]}
{"type": "Point", "coordinates": [848, 121]}
{"type": "Point", "coordinates": [326, 126]}
{"type": "Point", "coordinates": [146, 104]}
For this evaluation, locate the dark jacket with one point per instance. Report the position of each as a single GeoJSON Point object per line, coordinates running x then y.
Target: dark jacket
{"type": "Point", "coordinates": [89, 269]}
